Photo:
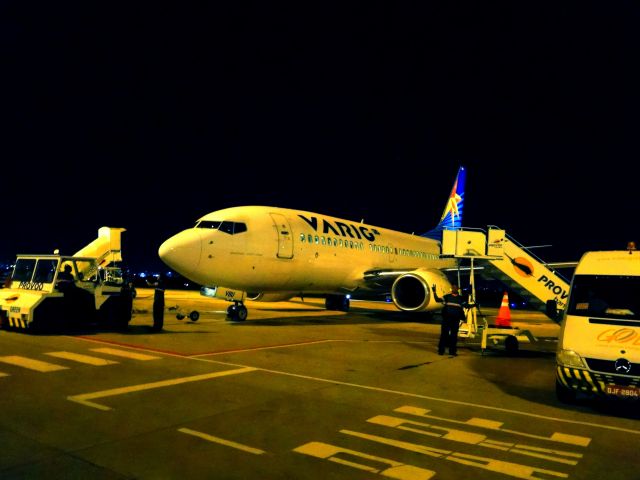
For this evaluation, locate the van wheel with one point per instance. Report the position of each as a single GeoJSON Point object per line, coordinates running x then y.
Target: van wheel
{"type": "Point", "coordinates": [194, 316]}
{"type": "Point", "coordinates": [511, 345]}
{"type": "Point", "coordinates": [564, 394]}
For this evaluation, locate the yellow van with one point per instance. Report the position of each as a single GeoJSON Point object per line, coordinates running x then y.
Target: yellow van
{"type": "Point", "coordinates": [599, 344]}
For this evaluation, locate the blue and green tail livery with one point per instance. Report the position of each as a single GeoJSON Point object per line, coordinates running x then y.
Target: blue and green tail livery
{"type": "Point", "coordinates": [452, 215]}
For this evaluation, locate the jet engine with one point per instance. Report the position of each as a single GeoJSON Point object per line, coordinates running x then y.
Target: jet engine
{"type": "Point", "coordinates": [412, 291]}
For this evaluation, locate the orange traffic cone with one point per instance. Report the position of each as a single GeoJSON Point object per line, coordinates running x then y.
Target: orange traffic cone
{"type": "Point", "coordinates": [504, 314]}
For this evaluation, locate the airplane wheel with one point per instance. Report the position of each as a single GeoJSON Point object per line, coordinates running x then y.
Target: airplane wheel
{"type": "Point", "coordinates": [511, 345]}
{"type": "Point", "coordinates": [345, 304]}
{"type": "Point", "coordinates": [330, 303]}
{"type": "Point", "coordinates": [232, 312]}
{"type": "Point", "coordinates": [241, 313]}
{"type": "Point", "coordinates": [194, 316]}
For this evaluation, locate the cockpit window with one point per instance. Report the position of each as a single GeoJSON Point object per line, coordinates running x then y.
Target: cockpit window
{"type": "Point", "coordinates": [208, 224]}
{"type": "Point", "coordinates": [227, 227]}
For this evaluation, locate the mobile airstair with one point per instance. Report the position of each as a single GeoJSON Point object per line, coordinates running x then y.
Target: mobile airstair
{"type": "Point", "coordinates": [504, 259]}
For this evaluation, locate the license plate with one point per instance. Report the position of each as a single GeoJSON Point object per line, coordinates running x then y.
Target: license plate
{"type": "Point", "coordinates": [621, 391]}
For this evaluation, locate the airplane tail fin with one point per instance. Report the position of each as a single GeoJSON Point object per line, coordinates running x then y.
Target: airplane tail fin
{"type": "Point", "coordinates": [452, 215]}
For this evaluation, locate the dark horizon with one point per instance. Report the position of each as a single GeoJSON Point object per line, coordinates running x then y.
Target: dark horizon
{"type": "Point", "coordinates": [147, 118]}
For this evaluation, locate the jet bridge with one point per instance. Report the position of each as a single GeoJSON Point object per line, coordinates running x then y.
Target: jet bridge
{"type": "Point", "coordinates": [506, 260]}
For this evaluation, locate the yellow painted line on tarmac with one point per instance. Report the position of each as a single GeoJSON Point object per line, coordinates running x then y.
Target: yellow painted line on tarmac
{"type": "Point", "coordinates": [516, 470]}
{"type": "Point", "coordinates": [31, 364]}
{"type": "Point", "coordinates": [125, 353]}
{"type": "Point", "coordinates": [473, 438]}
{"type": "Point", "coordinates": [77, 357]}
{"type": "Point", "coordinates": [85, 398]}
{"type": "Point", "coordinates": [4, 374]}
{"type": "Point", "coordinates": [222, 441]}
{"type": "Point", "coordinates": [492, 425]}
{"type": "Point", "coordinates": [395, 469]}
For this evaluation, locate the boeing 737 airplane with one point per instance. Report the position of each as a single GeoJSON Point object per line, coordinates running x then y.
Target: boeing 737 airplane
{"type": "Point", "coordinates": [273, 254]}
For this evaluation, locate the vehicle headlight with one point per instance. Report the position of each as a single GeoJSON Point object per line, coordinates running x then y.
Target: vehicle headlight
{"type": "Point", "coordinates": [569, 358]}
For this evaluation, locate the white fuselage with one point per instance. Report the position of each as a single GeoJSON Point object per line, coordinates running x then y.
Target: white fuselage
{"type": "Point", "coordinates": [285, 250]}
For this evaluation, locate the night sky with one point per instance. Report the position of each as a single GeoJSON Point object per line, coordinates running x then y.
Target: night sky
{"type": "Point", "coordinates": [149, 115]}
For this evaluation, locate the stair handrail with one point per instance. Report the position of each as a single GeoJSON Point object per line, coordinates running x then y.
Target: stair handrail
{"type": "Point", "coordinates": [530, 253]}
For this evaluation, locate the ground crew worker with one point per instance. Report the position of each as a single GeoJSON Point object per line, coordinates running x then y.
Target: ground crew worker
{"type": "Point", "coordinates": [158, 303]}
{"type": "Point", "coordinates": [65, 279]}
{"type": "Point", "coordinates": [452, 313]}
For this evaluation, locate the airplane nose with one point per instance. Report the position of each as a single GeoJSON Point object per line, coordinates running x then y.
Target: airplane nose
{"type": "Point", "coordinates": [182, 252]}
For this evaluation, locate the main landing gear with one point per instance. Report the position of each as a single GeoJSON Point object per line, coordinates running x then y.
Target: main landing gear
{"type": "Point", "coordinates": [337, 302]}
{"type": "Point", "coordinates": [237, 312]}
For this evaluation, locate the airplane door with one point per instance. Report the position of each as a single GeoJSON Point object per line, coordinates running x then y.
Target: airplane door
{"type": "Point", "coordinates": [285, 237]}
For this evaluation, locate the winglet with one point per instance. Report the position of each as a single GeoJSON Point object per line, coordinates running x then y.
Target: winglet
{"type": "Point", "coordinates": [452, 215]}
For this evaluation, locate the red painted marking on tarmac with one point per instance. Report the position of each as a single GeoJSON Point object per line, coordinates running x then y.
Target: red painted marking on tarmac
{"type": "Point", "coordinates": [135, 347]}
{"type": "Point", "coordinates": [188, 355]}
{"type": "Point", "coordinates": [262, 347]}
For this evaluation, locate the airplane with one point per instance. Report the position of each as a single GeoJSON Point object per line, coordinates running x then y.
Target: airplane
{"type": "Point", "coordinates": [264, 253]}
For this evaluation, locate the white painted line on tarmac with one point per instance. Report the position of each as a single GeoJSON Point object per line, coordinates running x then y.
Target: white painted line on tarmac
{"type": "Point", "coordinates": [222, 441]}
{"type": "Point", "coordinates": [125, 354]}
{"type": "Point", "coordinates": [445, 400]}
{"type": "Point", "coordinates": [77, 357]}
{"type": "Point", "coordinates": [31, 364]}
{"type": "Point", "coordinates": [85, 398]}
{"type": "Point", "coordinates": [557, 437]}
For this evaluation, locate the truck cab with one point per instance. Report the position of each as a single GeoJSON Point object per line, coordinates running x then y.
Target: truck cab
{"type": "Point", "coordinates": [46, 292]}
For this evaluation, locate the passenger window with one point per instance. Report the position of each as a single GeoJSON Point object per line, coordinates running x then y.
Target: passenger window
{"type": "Point", "coordinates": [317, 239]}
{"type": "Point", "coordinates": [310, 237]}
{"type": "Point", "coordinates": [302, 237]}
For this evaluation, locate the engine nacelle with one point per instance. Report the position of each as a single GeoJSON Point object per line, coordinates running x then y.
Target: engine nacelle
{"type": "Point", "coordinates": [270, 296]}
{"type": "Point", "coordinates": [411, 292]}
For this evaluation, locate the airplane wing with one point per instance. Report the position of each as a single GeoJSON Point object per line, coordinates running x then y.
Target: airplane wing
{"type": "Point", "coordinates": [381, 279]}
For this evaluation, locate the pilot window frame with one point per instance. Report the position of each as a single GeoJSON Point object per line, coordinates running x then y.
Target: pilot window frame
{"type": "Point", "coordinates": [23, 269]}
{"type": "Point", "coordinates": [45, 270]}
{"type": "Point", "coordinates": [225, 226]}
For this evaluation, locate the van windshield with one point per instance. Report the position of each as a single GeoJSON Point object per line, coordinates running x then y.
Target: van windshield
{"type": "Point", "coordinates": [605, 296]}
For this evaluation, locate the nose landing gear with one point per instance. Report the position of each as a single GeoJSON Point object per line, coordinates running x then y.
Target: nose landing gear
{"type": "Point", "coordinates": [237, 312]}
